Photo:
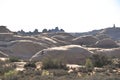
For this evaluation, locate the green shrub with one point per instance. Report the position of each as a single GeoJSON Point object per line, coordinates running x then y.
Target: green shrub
{"type": "Point", "coordinates": [6, 67]}
{"type": "Point", "coordinates": [30, 64]}
{"type": "Point", "coordinates": [89, 65]}
{"type": "Point", "coordinates": [10, 73]}
{"type": "Point", "coordinates": [52, 64]}
{"type": "Point", "coordinates": [14, 59]}
{"type": "Point", "coordinates": [58, 72]}
{"type": "Point", "coordinates": [100, 60]}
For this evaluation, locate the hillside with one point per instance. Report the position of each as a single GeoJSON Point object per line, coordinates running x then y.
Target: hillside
{"type": "Point", "coordinates": [112, 32]}
{"type": "Point", "coordinates": [3, 29]}
{"type": "Point", "coordinates": [73, 54]}
{"type": "Point", "coordinates": [59, 55]}
{"type": "Point", "coordinates": [59, 44]}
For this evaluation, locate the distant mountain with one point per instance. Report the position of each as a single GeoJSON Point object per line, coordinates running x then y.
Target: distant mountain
{"type": "Point", "coordinates": [112, 32]}
{"type": "Point", "coordinates": [94, 32]}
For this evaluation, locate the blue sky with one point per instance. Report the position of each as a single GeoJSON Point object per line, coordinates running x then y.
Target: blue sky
{"type": "Point", "coordinates": [71, 15]}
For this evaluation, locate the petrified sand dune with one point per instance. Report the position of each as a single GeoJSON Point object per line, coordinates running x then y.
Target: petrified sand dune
{"type": "Point", "coordinates": [18, 37]}
{"type": "Point", "coordinates": [106, 43]}
{"type": "Point", "coordinates": [3, 54]}
{"type": "Point", "coordinates": [63, 36]}
{"type": "Point", "coordinates": [102, 36]}
{"type": "Point", "coordinates": [47, 40]}
{"type": "Point", "coordinates": [114, 52]}
{"type": "Point", "coordinates": [85, 40]}
{"type": "Point", "coordinates": [56, 45]}
{"type": "Point", "coordinates": [23, 48]}
{"type": "Point", "coordinates": [69, 54]}
{"type": "Point", "coordinates": [26, 48]}
{"type": "Point", "coordinates": [56, 39]}
{"type": "Point", "coordinates": [113, 32]}
{"type": "Point", "coordinates": [6, 36]}
{"type": "Point", "coordinates": [3, 29]}
{"type": "Point", "coordinates": [38, 38]}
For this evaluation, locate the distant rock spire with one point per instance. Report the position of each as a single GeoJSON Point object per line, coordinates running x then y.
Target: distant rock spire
{"type": "Point", "coordinates": [114, 26]}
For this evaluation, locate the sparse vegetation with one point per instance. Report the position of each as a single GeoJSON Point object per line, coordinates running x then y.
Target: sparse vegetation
{"type": "Point", "coordinates": [30, 65]}
{"type": "Point", "coordinates": [100, 60]}
{"type": "Point", "coordinates": [89, 65]}
{"type": "Point", "coordinates": [55, 70]}
{"type": "Point", "coordinates": [55, 67]}
{"type": "Point", "coordinates": [6, 67]}
{"type": "Point", "coordinates": [50, 63]}
{"type": "Point", "coordinates": [14, 59]}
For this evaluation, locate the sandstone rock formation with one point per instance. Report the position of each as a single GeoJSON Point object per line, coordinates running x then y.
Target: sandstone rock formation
{"type": "Point", "coordinates": [23, 49]}
{"type": "Point", "coordinates": [113, 53]}
{"type": "Point", "coordinates": [3, 29]}
{"type": "Point", "coordinates": [106, 43]}
{"type": "Point", "coordinates": [85, 40]}
{"type": "Point", "coordinates": [102, 36]}
{"type": "Point", "coordinates": [69, 54]}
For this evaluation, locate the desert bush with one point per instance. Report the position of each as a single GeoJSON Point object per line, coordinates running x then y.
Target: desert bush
{"type": "Point", "coordinates": [89, 65]}
{"type": "Point", "coordinates": [13, 77]}
{"type": "Point", "coordinates": [100, 60]}
{"type": "Point", "coordinates": [58, 72]}
{"type": "Point", "coordinates": [10, 73]}
{"type": "Point", "coordinates": [52, 64]}
{"type": "Point", "coordinates": [30, 64]}
{"type": "Point", "coordinates": [6, 67]}
{"type": "Point", "coordinates": [14, 59]}
{"type": "Point", "coordinates": [101, 77]}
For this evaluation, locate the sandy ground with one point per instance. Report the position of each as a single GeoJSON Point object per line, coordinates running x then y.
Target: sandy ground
{"type": "Point", "coordinates": [20, 66]}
